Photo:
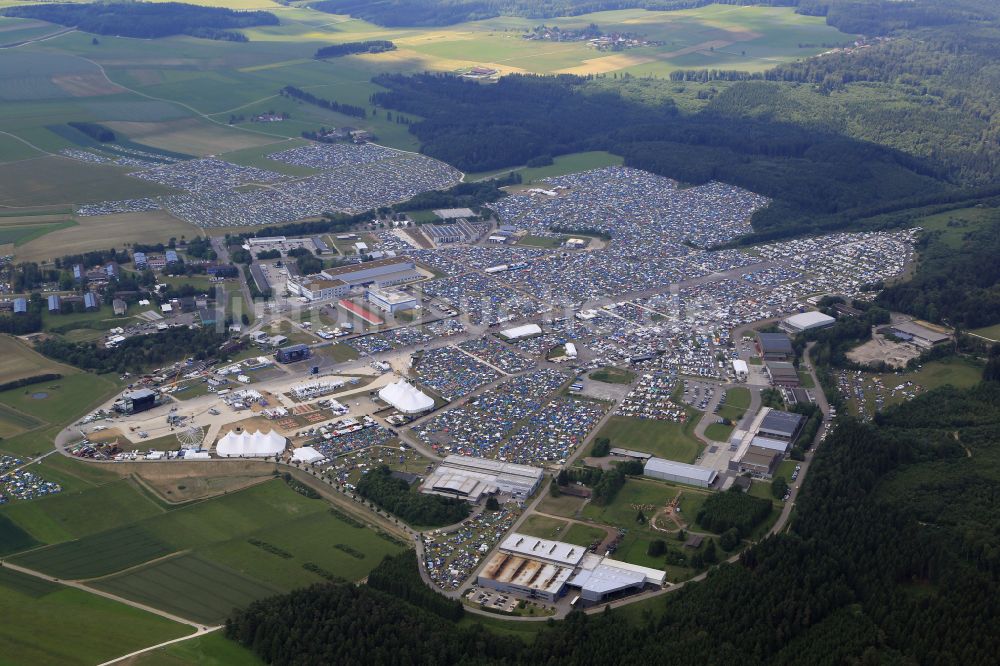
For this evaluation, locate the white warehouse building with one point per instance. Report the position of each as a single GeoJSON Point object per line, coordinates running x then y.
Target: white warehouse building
{"type": "Point", "coordinates": [669, 470]}
{"type": "Point", "coordinates": [470, 478]}
{"type": "Point", "coordinates": [806, 322]}
{"type": "Point", "coordinates": [391, 300]}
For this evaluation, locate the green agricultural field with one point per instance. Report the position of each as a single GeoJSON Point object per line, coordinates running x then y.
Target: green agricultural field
{"type": "Point", "coordinates": [990, 332]}
{"type": "Point", "coordinates": [543, 527]}
{"type": "Point", "coordinates": [19, 235]}
{"type": "Point", "coordinates": [58, 180]}
{"type": "Point", "coordinates": [48, 624]}
{"type": "Point", "coordinates": [13, 538]}
{"type": "Point", "coordinates": [210, 650]}
{"type": "Point", "coordinates": [650, 496]}
{"type": "Point", "coordinates": [76, 514]}
{"type": "Point", "coordinates": [221, 531]}
{"type": "Point", "coordinates": [664, 439]}
{"type": "Point", "coordinates": [311, 538]}
{"type": "Point", "coordinates": [188, 586]}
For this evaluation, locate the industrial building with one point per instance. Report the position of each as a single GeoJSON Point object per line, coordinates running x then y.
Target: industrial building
{"type": "Point", "coordinates": [406, 398]}
{"type": "Point", "coordinates": [670, 470]}
{"type": "Point", "coordinates": [741, 370]}
{"type": "Point", "coordinates": [782, 373]}
{"type": "Point", "coordinates": [391, 300]}
{"type": "Point", "coordinates": [784, 426]}
{"type": "Point", "coordinates": [133, 402]}
{"type": "Point", "coordinates": [545, 569]}
{"type": "Point", "coordinates": [774, 347]}
{"type": "Point", "coordinates": [918, 335]}
{"type": "Point", "coordinates": [381, 273]}
{"type": "Point", "coordinates": [316, 287]}
{"type": "Point", "coordinates": [471, 478]}
{"type": "Point", "coordinates": [293, 353]}
{"type": "Point", "coordinates": [521, 332]}
{"type": "Point", "coordinates": [764, 444]}
{"type": "Point", "coordinates": [806, 321]}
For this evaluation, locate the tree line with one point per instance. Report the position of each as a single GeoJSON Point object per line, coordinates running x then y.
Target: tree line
{"type": "Point", "coordinates": [395, 496]}
{"type": "Point", "coordinates": [147, 20]}
{"type": "Point", "coordinates": [332, 105]}
{"type": "Point", "coordinates": [351, 48]}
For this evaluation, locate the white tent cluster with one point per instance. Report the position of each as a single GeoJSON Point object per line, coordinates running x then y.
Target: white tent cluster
{"type": "Point", "coordinates": [242, 444]}
{"type": "Point", "coordinates": [406, 398]}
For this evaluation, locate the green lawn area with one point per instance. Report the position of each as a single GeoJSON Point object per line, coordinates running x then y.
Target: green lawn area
{"type": "Point", "coordinates": [541, 241]}
{"type": "Point", "coordinates": [564, 505]}
{"type": "Point", "coordinates": [665, 439]}
{"type": "Point", "coordinates": [48, 624]}
{"type": "Point", "coordinates": [637, 494]}
{"type": "Point", "coordinates": [738, 397]}
{"type": "Point", "coordinates": [613, 376]}
{"type": "Point", "coordinates": [543, 527]}
{"type": "Point", "coordinates": [755, 360]}
{"type": "Point", "coordinates": [583, 535]}
{"type": "Point", "coordinates": [806, 379]}
{"type": "Point", "coordinates": [212, 649]}
{"type": "Point", "coordinates": [66, 399]}
{"type": "Point", "coordinates": [718, 432]}
{"type": "Point", "coordinates": [785, 469]}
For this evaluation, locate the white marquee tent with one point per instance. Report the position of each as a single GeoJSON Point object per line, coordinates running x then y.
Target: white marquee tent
{"type": "Point", "coordinates": [306, 454]}
{"type": "Point", "coordinates": [406, 398]}
{"type": "Point", "coordinates": [242, 444]}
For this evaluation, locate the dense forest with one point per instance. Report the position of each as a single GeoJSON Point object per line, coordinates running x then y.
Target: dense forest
{"type": "Point", "coordinates": [395, 496]}
{"type": "Point", "coordinates": [350, 48]}
{"type": "Point", "coordinates": [893, 557]}
{"type": "Point", "coordinates": [147, 19]}
{"type": "Point", "coordinates": [811, 173]}
{"type": "Point", "coordinates": [140, 352]}
{"type": "Point", "coordinates": [955, 285]}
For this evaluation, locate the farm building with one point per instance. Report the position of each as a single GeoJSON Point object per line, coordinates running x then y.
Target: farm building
{"type": "Point", "coordinates": [139, 261]}
{"type": "Point", "coordinates": [243, 444]}
{"type": "Point", "coordinates": [669, 470]}
{"type": "Point", "coordinates": [470, 478]}
{"type": "Point", "coordinates": [20, 305]}
{"type": "Point", "coordinates": [406, 398]}
{"type": "Point", "coordinates": [805, 322]}
{"type": "Point", "coordinates": [53, 302]}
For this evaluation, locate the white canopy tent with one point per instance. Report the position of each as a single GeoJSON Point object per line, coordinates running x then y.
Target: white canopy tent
{"type": "Point", "coordinates": [406, 398]}
{"type": "Point", "coordinates": [306, 454]}
{"type": "Point", "coordinates": [242, 444]}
